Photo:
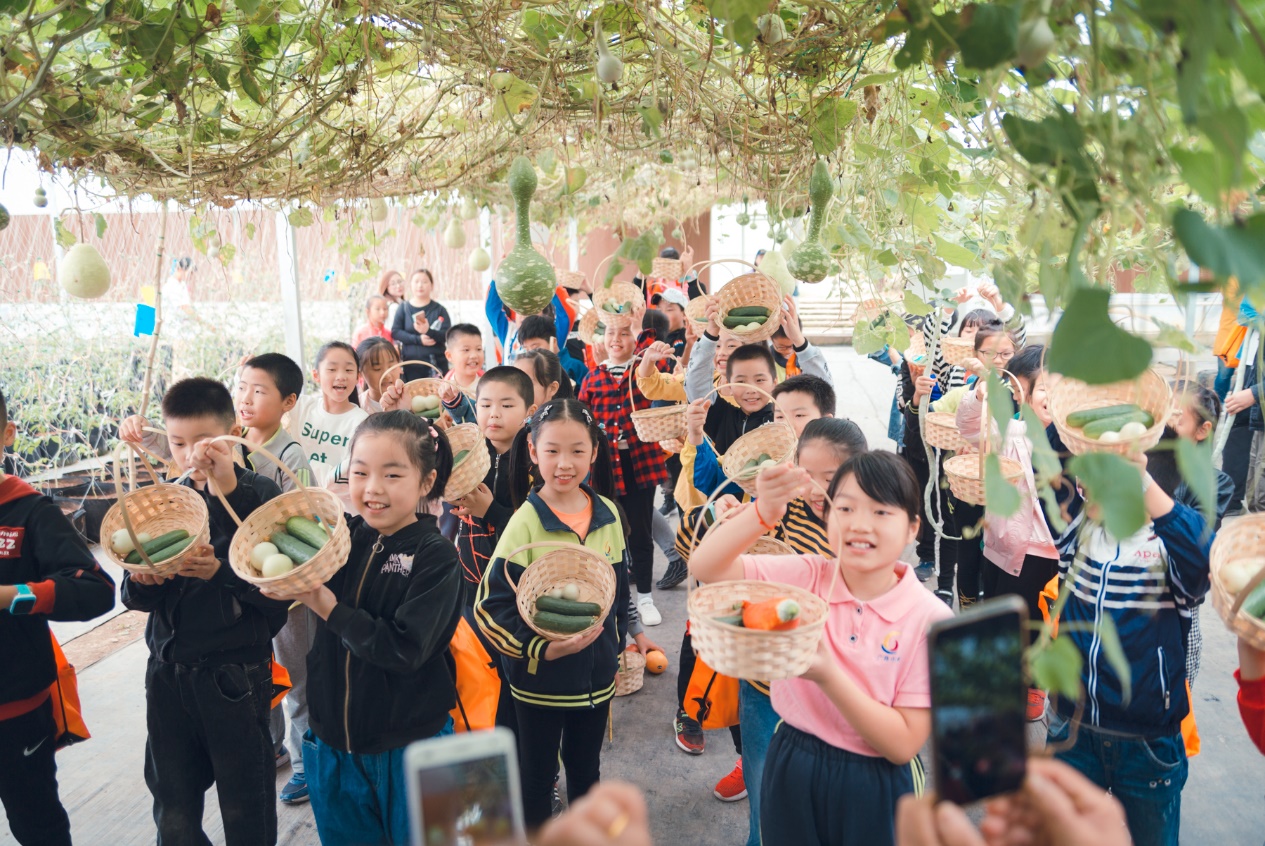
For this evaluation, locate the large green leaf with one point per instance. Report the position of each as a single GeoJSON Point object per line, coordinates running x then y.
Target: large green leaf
{"type": "Point", "coordinates": [956, 254]}
{"type": "Point", "coordinates": [1002, 497]}
{"type": "Point", "coordinates": [1056, 667]}
{"type": "Point", "coordinates": [827, 121]}
{"type": "Point", "coordinates": [1237, 250]}
{"type": "Point", "coordinates": [989, 35]}
{"type": "Point", "coordinates": [1113, 486]}
{"type": "Point", "coordinates": [1195, 463]}
{"type": "Point", "coordinates": [1087, 346]}
{"type": "Point", "coordinates": [741, 15]}
{"type": "Point", "coordinates": [1110, 639]}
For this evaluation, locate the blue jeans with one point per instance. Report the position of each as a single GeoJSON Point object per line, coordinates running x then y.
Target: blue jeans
{"type": "Point", "coordinates": [1224, 380]}
{"type": "Point", "coordinates": [1145, 774]}
{"type": "Point", "coordinates": [358, 800]}
{"type": "Point", "coordinates": [758, 720]}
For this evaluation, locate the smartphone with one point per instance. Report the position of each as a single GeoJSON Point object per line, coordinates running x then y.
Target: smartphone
{"type": "Point", "coordinates": [463, 790]}
{"type": "Point", "coordinates": [979, 701]}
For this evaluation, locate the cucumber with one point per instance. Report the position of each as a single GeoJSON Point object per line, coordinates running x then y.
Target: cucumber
{"type": "Point", "coordinates": [567, 607]}
{"type": "Point", "coordinates": [1097, 428]}
{"type": "Point", "coordinates": [459, 457]}
{"type": "Point", "coordinates": [308, 531]}
{"type": "Point", "coordinates": [731, 619]}
{"type": "Point", "coordinates": [298, 551]}
{"type": "Point", "coordinates": [562, 623]}
{"type": "Point", "coordinates": [748, 311]}
{"type": "Point", "coordinates": [161, 542]}
{"type": "Point", "coordinates": [160, 555]}
{"type": "Point", "coordinates": [430, 413]}
{"type": "Point", "coordinates": [732, 322]}
{"type": "Point", "coordinates": [1082, 418]}
{"type": "Point", "coordinates": [1255, 602]}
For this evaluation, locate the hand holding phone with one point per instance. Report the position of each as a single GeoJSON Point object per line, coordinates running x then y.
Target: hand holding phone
{"type": "Point", "coordinates": [463, 790]}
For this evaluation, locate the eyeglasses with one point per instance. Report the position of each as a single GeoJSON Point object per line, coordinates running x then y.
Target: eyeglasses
{"type": "Point", "coordinates": [997, 356]}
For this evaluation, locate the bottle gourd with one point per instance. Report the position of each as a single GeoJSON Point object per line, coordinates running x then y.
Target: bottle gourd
{"type": "Point", "coordinates": [525, 279]}
{"type": "Point", "coordinates": [809, 262]}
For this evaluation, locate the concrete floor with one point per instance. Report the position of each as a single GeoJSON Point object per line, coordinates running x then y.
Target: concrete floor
{"type": "Point", "coordinates": [102, 785]}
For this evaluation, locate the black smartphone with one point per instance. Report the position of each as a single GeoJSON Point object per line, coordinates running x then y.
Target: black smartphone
{"type": "Point", "coordinates": [979, 701]}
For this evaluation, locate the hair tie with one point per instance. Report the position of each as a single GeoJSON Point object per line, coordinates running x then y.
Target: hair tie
{"type": "Point", "coordinates": [434, 436]}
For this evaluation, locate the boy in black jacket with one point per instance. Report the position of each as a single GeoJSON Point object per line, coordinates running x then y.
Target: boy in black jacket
{"type": "Point", "coordinates": [46, 573]}
{"type": "Point", "coordinates": [208, 685]}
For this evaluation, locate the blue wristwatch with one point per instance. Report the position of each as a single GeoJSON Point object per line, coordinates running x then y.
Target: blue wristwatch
{"type": "Point", "coordinates": [23, 602]}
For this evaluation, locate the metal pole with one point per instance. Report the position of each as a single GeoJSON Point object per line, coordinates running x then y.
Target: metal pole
{"type": "Point", "coordinates": [288, 273]}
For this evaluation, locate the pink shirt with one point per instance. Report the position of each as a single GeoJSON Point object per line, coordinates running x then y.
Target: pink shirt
{"type": "Point", "coordinates": [366, 331]}
{"type": "Point", "coordinates": [881, 645]}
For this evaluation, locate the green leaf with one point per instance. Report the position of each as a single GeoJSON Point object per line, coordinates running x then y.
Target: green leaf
{"type": "Point", "coordinates": [742, 14]}
{"type": "Point", "coordinates": [1056, 667]}
{"type": "Point", "coordinates": [1173, 336]}
{"type": "Point", "coordinates": [1087, 346]}
{"type": "Point", "coordinates": [1208, 173]}
{"type": "Point", "coordinates": [915, 306]}
{"type": "Point", "coordinates": [249, 85]}
{"type": "Point", "coordinates": [99, 219]}
{"type": "Point", "coordinates": [1114, 486]}
{"type": "Point", "coordinates": [547, 161]}
{"type": "Point", "coordinates": [65, 238]}
{"type": "Point", "coordinates": [989, 35]}
{"type": "Point", "coordinates": [1001, 404]}
{"type": "Point", "coordinates": [866, 340]}
{"type": "Point", "coordinates": [1002, 497]}
{"type": "Point", "coordinates": [1195, 463]}
{"type": "Point", "coordinates": [1237, 250]}
{"type": "Point", "coordinates": [827, 121]}
{"type": "Point", "coordinates": [514, 99]}
{"type": "Point", "coordinates": [956, 254]}
{"type": "Point", "coordinates": [1110, 639]}
{"type": "Point", "coordinates": [300, 217]}
{"type": "Point", "coordinates": [1045, 461]}
{"type": "Point", "coordinates": [227, 252]}
{"type": "Point", "coordinates": [250, 231]}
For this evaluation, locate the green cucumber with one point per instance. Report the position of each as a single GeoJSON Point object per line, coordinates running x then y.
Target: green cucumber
{"type": "Point", "coordinates": [749, 311]}
{"type": "Point", "coordinates": [567, 607]}
{"type": "Point", "coordinates": [1085, 416]}
{"type": "Point", "coordinates": [1255, 602]}
{"type": "Point", "coordinates": [430, 413]}
{"type": "Point", "coordinates": [160, 555]}
{"type": "Point", "coordinates": [732, 322]}
{"type": "Point", "coordinates": [161, 542]}
{"type": "Point", "coordinates": [562, 623]}
{"type": "Point", "coordinates": [299, 552]}
{"type": "Point", "coordinates": [308, 531]}
{"type": "Point", "coordinates": [1102, 425]}
{"type": "Point", "coordinates": [460, 457]}
{"type": "Point", "coordinates": [731, 619]}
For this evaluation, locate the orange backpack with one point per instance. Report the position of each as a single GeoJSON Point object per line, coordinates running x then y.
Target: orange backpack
{"type": "Point", "coordinates": [280, 683]}
{"type": "Point", "coordinates": [478, 685]}
{"type": "Point", "coordinates": [711, 698]}
{"type": "Point", "coordinates": [67, 712]}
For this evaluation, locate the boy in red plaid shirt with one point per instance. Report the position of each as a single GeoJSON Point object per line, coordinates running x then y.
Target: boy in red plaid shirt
{"type": "Point", "coordinates": [639, 467]}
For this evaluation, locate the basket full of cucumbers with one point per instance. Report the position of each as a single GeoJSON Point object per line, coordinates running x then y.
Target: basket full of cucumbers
{"type": "Point", "coordinates": [751, 307]}
{"type": "Point", "coordinates": [1237, 562]}
{"type": "Point", "coordinates": [421, 396]}
{"type": "Point", "coordinates": [1123, 417]}
{"type": "Point", "coordinates": [565, 592]}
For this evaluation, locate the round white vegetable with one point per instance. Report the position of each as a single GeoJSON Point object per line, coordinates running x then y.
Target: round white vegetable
{"type": "Point", "coordinates": [121, 542]}
{"type": "Point", "coordinates": [479, 260]}
{"type": "Point", "coordinates": [83, 273]}
{"type": "Point", "coordinates": [1236, 574]}
{"type": "Point", "coordinates": [571, 592]}
{"type": "Point", "coordinates": [261, 553]}
{"type": "Point", "coordinates": [1132, 431]}
{"type": "Point", "coordinates": [144, 537]}
{"type": "Point", "coordinates": [454, 234]}
{"type": "Point", "coordinates": [277, 565]}
{"type": "Point", "coordinates": [768, 463]}
{"type": "Point", "coordinates": [556, 593]}
{"type": "Point", "coordinates": [1109, 438]}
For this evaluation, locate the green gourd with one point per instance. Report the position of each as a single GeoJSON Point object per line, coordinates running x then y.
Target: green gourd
{"type": "Point", "coordinates": [525, 280]}
{"type": "Point", "coordinates": [809, 262]}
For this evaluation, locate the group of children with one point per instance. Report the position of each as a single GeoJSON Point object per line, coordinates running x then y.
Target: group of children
{"type": "Point", "coordinates": [823, 758]}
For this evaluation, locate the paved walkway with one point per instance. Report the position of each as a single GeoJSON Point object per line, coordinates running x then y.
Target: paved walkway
{"type": "Point", "coordinates": [103, 788]}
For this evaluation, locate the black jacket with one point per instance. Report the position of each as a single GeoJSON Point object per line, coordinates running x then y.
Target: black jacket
{"type": "Point", "coordinates": [221, 620]}
{"type": "Point", "coordinates": [411, 346]}
{"type": "Point", "coordinates": [40, 549]}
{"type": "Point", "coordinates": [477, 536]}
{"type": "Point", "coordinates": [727, 423]}
{"type": "Point", "coordinates": [380, 674]}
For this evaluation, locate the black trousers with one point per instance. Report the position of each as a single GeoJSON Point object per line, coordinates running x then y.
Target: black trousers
{"type": "Point", "coordinates": [685, 669]}
{"type": "Point", "coordinates": [1235, 460]}
{"type": "Point", "coordinates": [209, 725]}
{"type": "Point", "coordinates": [968, 552]}
{"type": "Point", "coordinates": [638, 505]}
{"type": "Point", "coordinates": [578, 733]}
{"type": "Point", "coordinates": [1034, 576]}
{"type": "Point", "coordinates": [28, 779]}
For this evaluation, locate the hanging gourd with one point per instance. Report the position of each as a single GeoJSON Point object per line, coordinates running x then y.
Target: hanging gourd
{"type": "Point", "coordinates": [809, 262]}
{"type": "Point", "coordinates": [454, 234]}
{"type": "Point", "coordinates": [525, 280]}
{"type": "Point", "coordinates": [41, 198]}
{"type": "Point", "coordinates": [479, 260]}
{"type": "Point", "coordinates": [83, 273]}
{"type": "Point", "coordinates": [468, 210]}
{"type": "Point", "coordinates": [609, 68]}
{"type": "Point", "coordinates": [773, 265]}
{"type": "Point", "coordinates": [377, 209]}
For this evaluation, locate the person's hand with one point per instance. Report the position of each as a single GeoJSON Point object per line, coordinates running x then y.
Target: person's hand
{"type": "Point", "coordinates": [613, 813]}
{"type": "Point", "coordinates": [570, 646]}
{"type": "Point", "coordinates": [392, 396]}
{"type": "Point", "coordinates": [444, 421]}
{"type": "Point", "coordinates": [202, 564]}
{"type": "Point", "coordinates": [971, 364]}
{"type": "Point", "coordinates": [723, 505]}
{"type": "Point", "coordinates": [475, 503]}
{"type": "Point", "coordinates": [687, 258]}
{"type": "Point", "coordinates": [320, 600]}
{"type": "Point", "coordinates": [989, 292]}
{"type": "Point", "coordinates": [448, 392]}
{"type": "Point", "coordinates": [1251, 661]}
{"type": "Point", "coordinates": [691, 330]}
{"type": "Point", "coordinates": [695, 417]}
{"type": "Point", "coordinates": [712, 313]}
{"type": "Point", "coordinates": [774, 490]}
{"type": "Point", "coordinates": [920, 821]}
{"type": "Point", "coordinates": [132, 429]}
{"type": "Point", "coordinates": [147, 579]}
{"type": "Point", "coordinates": [656, 352]}
{"type": "Point", "coordinates": [1057, 807]}
{"type": "Point", "coordinates": [645, 644]}
{"type": "Point", "coordinates": [790, 322]}
{"type": "Point", "coordinates": [823, 665]}
{"type": "Point", "coordinates": [428, 341]}
{"type": "Point", "coordinates": [420, 324]}
{"type": "Point", "coordinates": [673, 446]}
{"type": "Point", "coordinates": [214, 459]}
{"type": "Point", "coordinates": [961, 295]}
{"type": "Point", "coordinates": [923, 386]}
{"type": "Point", "coordinates": [1239, 401]}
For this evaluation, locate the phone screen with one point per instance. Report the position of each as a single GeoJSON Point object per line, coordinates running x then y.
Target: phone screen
{"type": "Point", "coordinates": [979, 702]}
{"type": "Point", "coordinates": [468, 803]}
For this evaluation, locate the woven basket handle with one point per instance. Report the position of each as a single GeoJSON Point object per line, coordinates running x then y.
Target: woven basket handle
{"type": "Point", "coordinates": [118, 488]}
{"type": "Point", "coordinates": [986, 427]}
{"type": "Point", "coordinates": [632, 369]}
{"type": "Point", "coordinates": [1242, 596]}
{"type": "Point", "coordinates": [382, 380]}
{"type": "Point", "coordinates": [699, 266]}
{"type": "Point", "coordinates": [540, 544]}
{"type": "Point", "coordinates": [744, 386]}
{"type": "Point", "coordinates": [253, 450]}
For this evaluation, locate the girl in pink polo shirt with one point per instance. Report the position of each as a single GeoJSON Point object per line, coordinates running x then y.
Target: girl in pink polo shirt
{"type": "Point", "coordinates": [852, 724]}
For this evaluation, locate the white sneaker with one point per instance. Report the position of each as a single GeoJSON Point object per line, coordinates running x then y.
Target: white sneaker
{"type": "Point", "coordinates": [650, 615]}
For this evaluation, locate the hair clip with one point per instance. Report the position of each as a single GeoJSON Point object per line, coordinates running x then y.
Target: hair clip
{"type": "Point", "coordinates": [434, 436]}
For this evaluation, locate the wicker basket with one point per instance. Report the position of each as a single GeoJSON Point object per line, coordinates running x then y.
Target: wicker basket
{"type": "Point", "coordinates": [751, 653]}
{"type": "Point", "coordinates": [1240, 539]}
{"type": "Point", "coordinates": [940, 429]}
{"type": "Point", "coordinates": [156, 509]}
{"type": "Point", "coordinates": [567, 563]}
{"type": "Point", "coordinates": [956, 350]}
{"type": "Point", "coordinates": [1149, 391]}
{"type": "Point", "coordinates": [471, 472]}
{"type": "Point", "coordinates": [572, 279]}
{"type": "Point", "coordinates": [767, 545]}
{"type": "Point", "coordinates": [966, 472]}
{"type": "Point", "coordinates": [665, 423]}
{"type": "Point", "coordinates": [666, 268]}
{"type": "Point", "coordinates": [774, 439]}
{"type": "Point", "coordinates": [587, 326]}
{"type": "Point", "coordinates": [428, 387]}
{"type": "Point", "coordinates": [619, 293]}
{"type": "Point", "coordinates": [631, 674]}
{"type": "Point", "coordinates": [694, 310]}
{"type": "Point", "coordinates": [270, 517]}
{"type": "Point", "coordinates": [752, 289]}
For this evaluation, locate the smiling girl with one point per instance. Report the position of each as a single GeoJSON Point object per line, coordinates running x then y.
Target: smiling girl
{"type": "Point", "coordinates": [562, 689]}
{"type": "Point", "coordinates": [378, 678]}
{"type": "Point", "coordinates": [854, 722]}
{"type": "Point", "coordinates": [323, 424]}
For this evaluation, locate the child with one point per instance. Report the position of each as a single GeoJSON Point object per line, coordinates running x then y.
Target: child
{"type": "Point", "coordinates": [375, 321]}
{"type": "Point", "coordinates": [538, 332]}
{"type": "Point", "coordinates": [323, 424]}
{"type": "Point", "coordinates": [464, 354]}
{"type": "Point", "coordinates": [545, 371]}
{"type": "Point", "coordinates": [798, 400]}
{"type": "Point", "coordinates": [46, 573]}
{"type": "Point", "coordinates": [964, 325]}
{"type": "Point", "coordinates": [209, 681]}
{"type": "Point", "coordinates": [854, 722]}
{"type": "Point", "coordinates": [1150, 584]}
{"type": "Point", "coordinates": [751, 364]}
{"type": "Point", "coordinates": [506, 325]}
{"type": "Point", "coordinates": [420, 326]}
{"type": "Point", "coordinates": [375, 355]}
{"type": "Point", "coordinates": [267, 388]}
{"type": "Point", "coordinates": [1195, 417]}
{"type": "Point", "coordinates": [562, 689]}
{"type": "Point", "coordinates": [379, 670]}
{"type": "Point", "coordinates": [610, 391]}
{"type": "Point", "coordinates": [672, 303]}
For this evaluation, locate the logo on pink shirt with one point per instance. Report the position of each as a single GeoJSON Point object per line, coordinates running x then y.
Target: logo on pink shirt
{"type": "Point", "coordinates": [890, 642]}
